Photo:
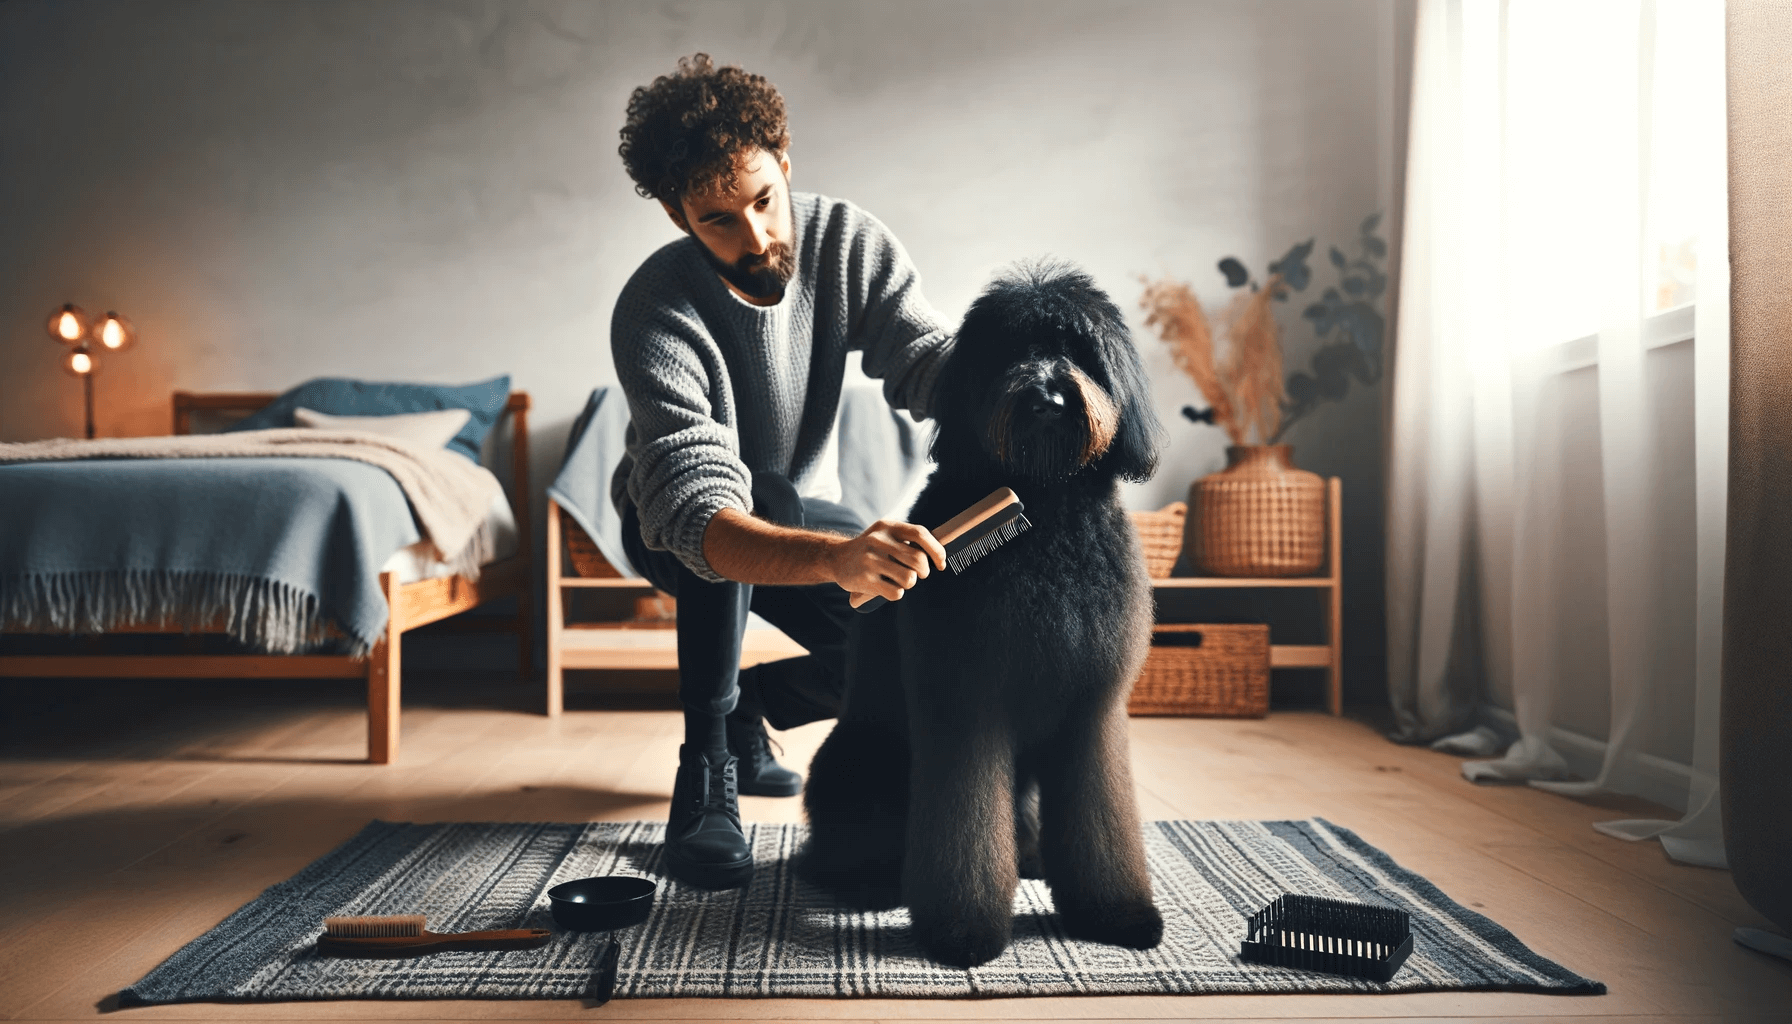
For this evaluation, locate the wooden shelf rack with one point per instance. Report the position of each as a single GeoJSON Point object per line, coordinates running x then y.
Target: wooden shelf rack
{"type": "Point", "coordinates": [619, 645]}
{"type": "Point", "coordinates": [1328, 655]}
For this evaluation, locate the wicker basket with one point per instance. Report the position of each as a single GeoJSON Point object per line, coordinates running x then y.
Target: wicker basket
{"type": "Point", "coordinates": [582, 551]}
{"type": "Point", "coordinates": [1194, 669]}
{"type": "Point", "coordinates": [1160, 534]}
{"type": "Point", "coordinates": [1258, 517]}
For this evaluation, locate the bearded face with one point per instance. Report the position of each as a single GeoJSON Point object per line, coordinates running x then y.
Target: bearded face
{"type": "Point", "coordinates": [758, 275]}
{"type": "Point", "coordinates": [744, 226]}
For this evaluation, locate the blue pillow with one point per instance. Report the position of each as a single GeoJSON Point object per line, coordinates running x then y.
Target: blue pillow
{"type": "Point", "coordinates": [339, 396]}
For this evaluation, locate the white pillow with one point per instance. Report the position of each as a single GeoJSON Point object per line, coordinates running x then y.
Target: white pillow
{"type": "Point", "coordinates": [426, 429]}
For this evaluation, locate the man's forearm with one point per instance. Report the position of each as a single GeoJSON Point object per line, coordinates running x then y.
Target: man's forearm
{"type": "Point", "coordinates": [746, 549]}
{"type": "Point", "coordinates": [885, 560]}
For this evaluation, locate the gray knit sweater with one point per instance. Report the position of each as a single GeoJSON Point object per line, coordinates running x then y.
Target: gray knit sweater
{"type": "Point", "coordinates": [719, 388]}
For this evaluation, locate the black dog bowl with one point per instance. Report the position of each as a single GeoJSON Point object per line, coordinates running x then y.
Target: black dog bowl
{"type": "Point", "coordinates": [602, 904]}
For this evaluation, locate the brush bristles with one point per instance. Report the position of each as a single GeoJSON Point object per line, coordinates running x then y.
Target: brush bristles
{"type": "Point", "coordinates": [984, 545]}
{"type": "Point", "coordinates": [394, 926]}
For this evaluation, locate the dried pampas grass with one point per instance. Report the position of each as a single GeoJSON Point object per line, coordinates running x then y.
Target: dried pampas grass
{"type": "Point", "coordinates": [1173, 310]}
{"type": "Point", "coordinates": [1245, 385]}
{"type": "Point", "coordinates": [1253, 367]}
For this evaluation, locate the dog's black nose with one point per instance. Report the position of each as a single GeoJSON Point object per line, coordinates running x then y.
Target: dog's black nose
{"type": "Point", "coordinates": [1046, 403]}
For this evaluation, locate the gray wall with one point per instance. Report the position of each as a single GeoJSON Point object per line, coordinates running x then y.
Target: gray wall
{"type": "Point", "coordinates": [430, 191]}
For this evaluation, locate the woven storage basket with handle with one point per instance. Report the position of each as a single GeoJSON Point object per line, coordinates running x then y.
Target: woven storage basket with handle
{"type": "Point", "coordinates": [1199, 669]}
{"type": "Point", "coordinates": [1160, 534]}
{"type": "Point", "coordinates": [582, 551]}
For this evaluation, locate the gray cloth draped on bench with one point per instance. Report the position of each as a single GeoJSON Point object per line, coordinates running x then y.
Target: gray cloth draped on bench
{"type": "Point", "coordinates": [883, 459]}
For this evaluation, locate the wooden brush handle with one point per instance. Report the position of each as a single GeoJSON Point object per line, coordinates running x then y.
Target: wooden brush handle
{"type": "Point", "coordinates": [432, 942]}
{"type": "Point", "coordinates": [954, 530]}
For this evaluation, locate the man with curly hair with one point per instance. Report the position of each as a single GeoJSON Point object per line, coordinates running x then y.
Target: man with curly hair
{"type": "Point", "coordinates": [731, 345]}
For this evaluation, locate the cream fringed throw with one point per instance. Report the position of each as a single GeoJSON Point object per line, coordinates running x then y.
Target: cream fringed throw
{"type": "Point", "coordinates": [448, 494]}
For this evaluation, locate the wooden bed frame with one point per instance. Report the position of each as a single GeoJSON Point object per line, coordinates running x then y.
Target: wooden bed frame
{"type": "Point", "coordinates": [412, 605]}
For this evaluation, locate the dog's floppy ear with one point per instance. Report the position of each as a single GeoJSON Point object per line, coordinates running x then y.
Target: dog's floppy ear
{"type": "Point", "coordinates": [1132, 455]}
{"type": "Point", "coordinates": [956, 395]}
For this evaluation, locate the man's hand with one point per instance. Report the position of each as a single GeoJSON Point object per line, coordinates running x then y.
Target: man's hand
{"type": "Point", "coordinates": [887, 559]}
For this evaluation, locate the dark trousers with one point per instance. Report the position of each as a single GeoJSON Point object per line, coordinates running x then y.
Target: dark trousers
{"type": "Point", "coordinates": [712, 617]}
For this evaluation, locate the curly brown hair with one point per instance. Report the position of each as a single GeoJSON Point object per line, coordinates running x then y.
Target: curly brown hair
{"type": "Point", "coordinates": [685, 130]}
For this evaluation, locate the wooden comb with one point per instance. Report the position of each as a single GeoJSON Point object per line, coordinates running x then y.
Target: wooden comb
{"type": "Point", "coordinates": [403, 935]}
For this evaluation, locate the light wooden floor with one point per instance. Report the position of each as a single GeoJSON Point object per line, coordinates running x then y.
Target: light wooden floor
{"type": "Point", "coordinates": [137, 815]}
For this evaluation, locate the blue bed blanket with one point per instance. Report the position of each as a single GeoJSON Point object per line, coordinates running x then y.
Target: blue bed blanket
{"type": "Point", "coordinates": [286, 551]}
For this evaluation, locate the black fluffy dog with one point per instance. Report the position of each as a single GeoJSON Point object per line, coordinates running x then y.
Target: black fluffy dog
{"type": "Point", "coordinates": [984, 729]}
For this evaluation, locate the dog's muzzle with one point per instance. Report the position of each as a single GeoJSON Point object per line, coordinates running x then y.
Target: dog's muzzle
{"type": "Point", "coordinates": [1043, 402]}
{"type": "Point", "coordinates": [1052, 419]}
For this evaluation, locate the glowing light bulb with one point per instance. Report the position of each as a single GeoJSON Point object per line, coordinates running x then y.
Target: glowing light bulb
{"type": "Point", "coordinates": [112, 334]}
{"type": "Point", "coordinates": [68, 325]}
{"type": "Point", "coordinates": [80, 362]}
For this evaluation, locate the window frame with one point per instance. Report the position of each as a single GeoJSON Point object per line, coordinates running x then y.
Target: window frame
{"type": "Point", "coordinates": [1658, 331]}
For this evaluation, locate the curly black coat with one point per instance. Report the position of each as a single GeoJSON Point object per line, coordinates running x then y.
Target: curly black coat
{"type": "Point", "coordinates": [984, 733]}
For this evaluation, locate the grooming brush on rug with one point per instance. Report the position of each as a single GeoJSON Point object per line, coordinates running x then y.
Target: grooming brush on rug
{"type": "Point", "coordinates": [404, 935]}
{"type": "Point", "coordinates": [1313, 933]}
{"type": "Point", "coordinates": [975, 532]}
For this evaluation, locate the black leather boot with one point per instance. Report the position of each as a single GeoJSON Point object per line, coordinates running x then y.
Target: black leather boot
{"type": "Point", "coordinates": [760, 772]}
{"type": "Point", "coordinates": [705, 846]}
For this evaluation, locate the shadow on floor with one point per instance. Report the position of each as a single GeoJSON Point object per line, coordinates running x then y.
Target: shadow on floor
{"type": "Point", "coordinates": [156, 718]}
{"type": "Point", "coordinates": [191, 846]}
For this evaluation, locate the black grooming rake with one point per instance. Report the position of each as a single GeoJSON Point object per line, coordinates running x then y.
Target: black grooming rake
{"type": "Point", "coordinates": [1313, 933]}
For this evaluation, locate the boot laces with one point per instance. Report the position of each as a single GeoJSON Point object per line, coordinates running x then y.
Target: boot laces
{"type": "Point", "coordinates": [757, 743]}
{"type": "Point", "coordinates": [716, 790]}
{"type": "Point", "coordinates": [721, 786]}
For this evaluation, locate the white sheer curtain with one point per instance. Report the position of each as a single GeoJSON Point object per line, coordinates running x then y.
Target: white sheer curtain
{"type": "Point", "coordinates": [1565, 179]}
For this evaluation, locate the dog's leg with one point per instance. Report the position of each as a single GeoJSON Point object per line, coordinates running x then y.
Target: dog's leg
{"type": "Point", "coordinates": [1094, 851]}
{"type": "Point", "coordinates": [856, 799]}
{"type": "Point", "coordinates": [856, 802]}
{"type": "Point", "coordinates": [959, 874]}
{"type": "Point", "coordinates": [1026, 824]}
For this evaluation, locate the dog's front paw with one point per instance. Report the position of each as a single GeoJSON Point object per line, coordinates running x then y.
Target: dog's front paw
{"type": "Point", "coordinates": [962, 942]}
{"type": "Point", "coordinates": [1133, 925]}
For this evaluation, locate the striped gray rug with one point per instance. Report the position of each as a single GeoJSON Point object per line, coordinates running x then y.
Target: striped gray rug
{"type": "Point", "coordinates": [780, 937]}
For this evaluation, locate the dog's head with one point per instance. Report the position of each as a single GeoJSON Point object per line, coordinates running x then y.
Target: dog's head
{"type": "Point", "coordinates": [1044, 383]}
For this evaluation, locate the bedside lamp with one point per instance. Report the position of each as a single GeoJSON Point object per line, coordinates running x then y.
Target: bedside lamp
{"type": "Point", "coordinates": [114, 333]}
{"type": "Point", "coordinates": [70, 326]}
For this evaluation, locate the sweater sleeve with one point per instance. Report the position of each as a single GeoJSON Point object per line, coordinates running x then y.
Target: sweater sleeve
{"type": "Point", "coordinates": [903, 338]}
{"type": "Point", "coordinates": [687, 464]}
